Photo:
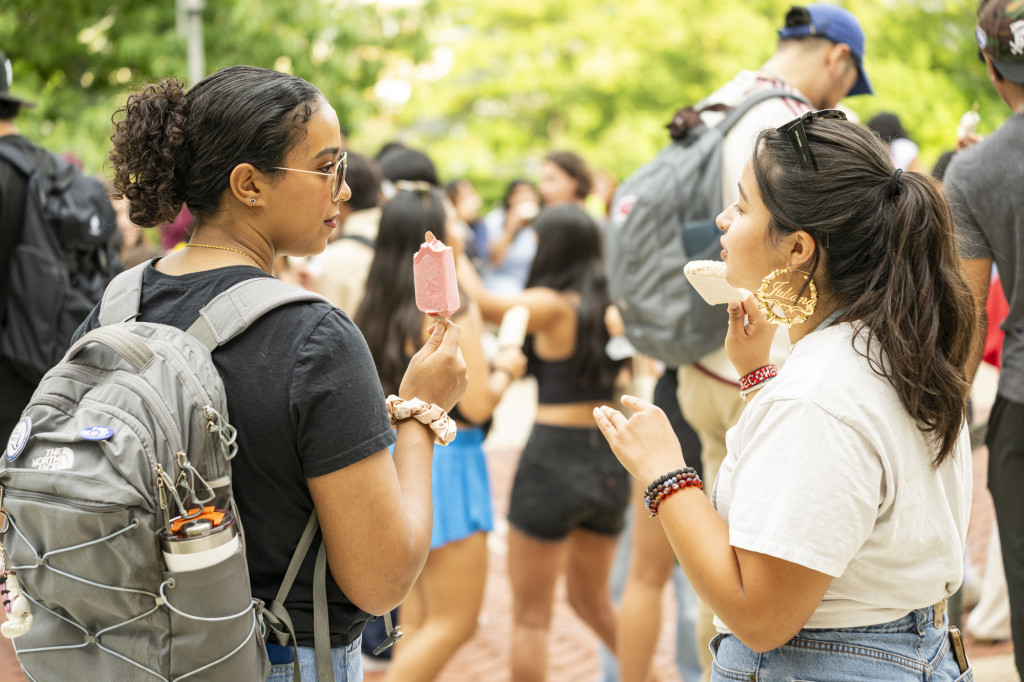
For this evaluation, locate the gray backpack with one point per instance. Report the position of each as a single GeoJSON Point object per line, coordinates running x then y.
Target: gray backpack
{"type": "Point", "coordinates": [119, 521]}
{"type": "Point", "coordinates": [663, 216]}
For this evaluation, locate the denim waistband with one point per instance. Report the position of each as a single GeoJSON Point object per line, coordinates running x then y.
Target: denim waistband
{"type": "Point", "coordinates": [912, 648]}
{"type": "Point", "coordinates": [914, 621]}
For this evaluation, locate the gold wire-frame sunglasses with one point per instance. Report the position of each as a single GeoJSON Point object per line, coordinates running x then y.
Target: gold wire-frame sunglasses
{"type": "Point", "coordinates": [337, 173]}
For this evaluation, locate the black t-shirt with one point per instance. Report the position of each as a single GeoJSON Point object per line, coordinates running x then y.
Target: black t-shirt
{"type": "Point", "coordinates": [304, 395]}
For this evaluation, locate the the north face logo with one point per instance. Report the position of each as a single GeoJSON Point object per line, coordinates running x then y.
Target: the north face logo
{"type": "Point", "coordinates": [55, 459]}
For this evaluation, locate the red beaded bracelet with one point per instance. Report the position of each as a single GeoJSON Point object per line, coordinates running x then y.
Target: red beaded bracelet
{"type": "Point", "coordinates": [669, 483]}
{"type": "Point", "coordinates": [758, 376]}
{"type": "Point", "coordinates": [698, 484]}
{"type": "Point", "coordinates": [756, 379]}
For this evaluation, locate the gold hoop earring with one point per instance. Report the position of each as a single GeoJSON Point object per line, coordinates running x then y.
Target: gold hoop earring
{"type": "Point", "coordinates": [781, 302]}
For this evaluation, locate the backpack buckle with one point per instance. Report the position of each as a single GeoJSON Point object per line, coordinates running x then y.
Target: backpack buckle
{"type": "Point", "coordinates": [394, 634]}
{"type": "Point", "coordinates": [389, 641]}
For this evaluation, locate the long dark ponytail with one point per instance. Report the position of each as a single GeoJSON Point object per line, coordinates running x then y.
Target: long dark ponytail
{"type": "Point", "coordinates": [887, 249]}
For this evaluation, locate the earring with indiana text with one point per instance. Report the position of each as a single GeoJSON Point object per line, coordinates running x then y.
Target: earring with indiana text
{"type": "Point", "coordinates": [782, 303]}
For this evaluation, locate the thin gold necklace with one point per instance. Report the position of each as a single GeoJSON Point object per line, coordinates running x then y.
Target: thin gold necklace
{"type": "Point", "coordinates": [227, 248]}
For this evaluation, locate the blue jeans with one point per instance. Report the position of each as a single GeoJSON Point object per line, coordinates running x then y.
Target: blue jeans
{"type": "Point", "coordinates": [910, 648]}
{"type": "Point", "coordinates": [348, 664]}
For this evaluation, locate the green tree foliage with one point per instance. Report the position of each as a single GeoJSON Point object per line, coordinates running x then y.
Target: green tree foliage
{"type": "Point", "coordinates": [924, 66]}
{"type": "Point", "coordinates": [494, 84]}
{"type": "Point", "coordinates": [603, 77]}
{"type": "Point", "coordinates": [78, 58]}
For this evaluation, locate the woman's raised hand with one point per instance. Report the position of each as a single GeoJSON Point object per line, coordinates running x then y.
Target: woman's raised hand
{"type": "Point", "coordinates": [437, 373]}
{"type": "Point", "coordinates": [749, 340]}
{"type": "Point", "coordinates": [512, 360]}
{"type": "Point", "coordinates": [645, 443]}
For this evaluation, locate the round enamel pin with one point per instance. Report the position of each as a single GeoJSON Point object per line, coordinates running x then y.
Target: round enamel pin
{"type": "Point", "coordinates": [19, 438]}
{"type": "Point", "coordinates": [97, 433]}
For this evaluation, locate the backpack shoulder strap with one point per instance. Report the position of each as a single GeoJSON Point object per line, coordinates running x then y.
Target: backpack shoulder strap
{"type": "Point", "coordinates": [738, 111]}
{"type": "Point", "coordinates": [276, 615]}
{"type": "Point", "coordinates": [321, 622]}
{"type": "Point", "coordinates": [41, 161]}
{"type": "Point", "coordinates": [13, 156]}
{"type": "Point", "coordinates": [231, 312]}
{"type": "Point", "coordinates": [121, 298]}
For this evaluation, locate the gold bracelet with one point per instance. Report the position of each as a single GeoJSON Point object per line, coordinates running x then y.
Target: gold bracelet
{"type": "Point", "coordinates": [426, 413]}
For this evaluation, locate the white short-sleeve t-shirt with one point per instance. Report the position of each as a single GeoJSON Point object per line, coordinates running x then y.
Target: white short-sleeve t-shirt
{"type": "Point", "coordinates": [826, 469]}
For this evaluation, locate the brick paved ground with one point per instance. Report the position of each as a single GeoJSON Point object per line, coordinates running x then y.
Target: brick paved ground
{"type": "Point", "coordinates": [573, 653]}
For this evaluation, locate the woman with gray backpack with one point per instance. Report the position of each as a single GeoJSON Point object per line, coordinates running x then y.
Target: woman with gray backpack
{"type": "Point", "coordinates": [257, 156]}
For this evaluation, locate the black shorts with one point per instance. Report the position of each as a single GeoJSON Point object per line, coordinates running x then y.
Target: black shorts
{"type": "Point", "coordinates": [568, 478]}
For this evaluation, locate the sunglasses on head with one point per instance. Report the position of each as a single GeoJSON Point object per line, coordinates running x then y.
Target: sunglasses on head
{"type": "Point", "coordinates": [794, 130]}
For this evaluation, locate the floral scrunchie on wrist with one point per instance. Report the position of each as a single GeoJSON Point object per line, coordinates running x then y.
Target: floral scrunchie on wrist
{"type": "Point", "coordinates": [426, 413]}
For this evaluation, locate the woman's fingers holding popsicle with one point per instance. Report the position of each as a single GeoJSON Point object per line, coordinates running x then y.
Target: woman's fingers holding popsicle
{"type": "Point", "coordinates": [437, 334]}
{"type": "Point", "coordinates": [749, 339]}
{"type": "Point", "coordinates": [437, 372]}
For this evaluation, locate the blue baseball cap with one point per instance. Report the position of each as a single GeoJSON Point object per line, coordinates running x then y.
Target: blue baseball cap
{"type": "Point", "coordinates": [836, 24]}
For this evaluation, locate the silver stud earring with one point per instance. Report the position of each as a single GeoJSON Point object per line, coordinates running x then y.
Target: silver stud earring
{"type": "Point", "coordinates": [252, 200]}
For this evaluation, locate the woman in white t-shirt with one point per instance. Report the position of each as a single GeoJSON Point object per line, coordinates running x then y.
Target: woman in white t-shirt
{"type": "Point", "coordinates": [839, 515]}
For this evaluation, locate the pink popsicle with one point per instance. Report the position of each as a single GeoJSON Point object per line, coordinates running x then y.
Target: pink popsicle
{"type": "Point", "coordinates": [437, 290]}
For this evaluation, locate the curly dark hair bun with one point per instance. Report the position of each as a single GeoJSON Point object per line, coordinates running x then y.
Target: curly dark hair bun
{"type": "Point", "coordinates": [148, 132]}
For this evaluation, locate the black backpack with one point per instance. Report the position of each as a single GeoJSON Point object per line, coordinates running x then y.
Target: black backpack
{"type": "Point", "coordinates": [663, 216]}
{"type": "Point", "coordinates": [61, 265]}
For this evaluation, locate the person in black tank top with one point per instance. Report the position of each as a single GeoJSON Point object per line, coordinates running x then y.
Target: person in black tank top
{"type": "Point", "coordinates": [570, 493]}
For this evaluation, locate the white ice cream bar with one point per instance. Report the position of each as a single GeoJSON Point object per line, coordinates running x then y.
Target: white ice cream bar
{"type": "Point", "coordinates": [708, 278]}
{"type": "Point", "coordinates": [512, 331]}
{"type": "Point", "coordinates": [968, 124]}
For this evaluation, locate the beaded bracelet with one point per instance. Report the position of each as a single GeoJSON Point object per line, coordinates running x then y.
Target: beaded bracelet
{"type": "Point", "coordinates": [665, 485]}
{"type": "Point", "coordinates": [756, 379]}
{"type": "Point", "coordinates": [426, 413]}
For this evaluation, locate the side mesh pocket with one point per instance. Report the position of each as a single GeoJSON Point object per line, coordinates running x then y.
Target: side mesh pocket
{"type": "Point", "coordinates": [215, 624]}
